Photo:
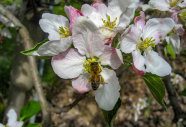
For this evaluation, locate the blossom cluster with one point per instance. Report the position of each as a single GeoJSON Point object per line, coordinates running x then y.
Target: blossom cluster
{"type": "Point", "coordinates": [82, 50]}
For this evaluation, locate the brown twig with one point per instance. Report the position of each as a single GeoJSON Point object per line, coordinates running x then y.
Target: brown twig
{"type": "Point", "coordinates": [27, 43]}
{"type": "Point", "coordinates": [70, 106]}
{"type": "Point", "coordinates": [178, 112]}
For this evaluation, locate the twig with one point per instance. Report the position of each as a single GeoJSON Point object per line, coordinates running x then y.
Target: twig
{"type": "Point", "coordinates": [178, 112]}
{"type": "Point", "coordinates": [70, 106]}
{"type": "Point", "coordinates": [27, 43]}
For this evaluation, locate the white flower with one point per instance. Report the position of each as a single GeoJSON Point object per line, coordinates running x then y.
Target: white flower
{"type": "Point", "coordinates": [109, 20]}
{"type": "Point", "coordinates": [12, 119]}
{"type": "Point", "coordinates": [76, 64]}
{"type": "Point", "coordinates": [141, 39]}
{"type": "Point", "coordinates": [167, 5]}
{"type": "Point", "coordinates": [174, 38]}
{"type": "Point", "coordinates": [60, 38]}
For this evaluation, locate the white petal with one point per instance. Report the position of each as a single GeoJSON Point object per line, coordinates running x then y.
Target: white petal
{"type": "Point", "coordinates": [50, 23]}
{"type": "Point", "coordinates": [12, 116]}
{"type": "Point", "coordinates": [86, 38]}
{"type": "Point", "coordinates": [162, 5]}
{"type": "Point", "coordinates": [100, 7]}
{"type": "Point", "coordinates": [158, 28]}
{"type": "Point", "coordinates": [1, 125]}
{"type": "Point", "coordinates": [126, 18]}
{"type": "Point", "coordinates": [93, 14]}
{"type": "Point", "coordinates": [156, 64]}
{"type": "Point", "coordinates": [129, 41]}
{"type": "Point", "coordinates": [117, 7]}
{"type": "Point", "coordinates": [81, 84]}
{"type": "Point", "coordinates": [140, 21]}
{"type": "Point", "coordinates": [174, 40]}
{"type": "Point", "coordinates": [107, 94]}
{"type": "Point", "coordinates": [111, 57]}
{"type": "Point", "coordinates": [52, 48]}
{"type": "Point", "coordinates": [138, 60]}
{"type": "Point", "coordinates": [68, 64]}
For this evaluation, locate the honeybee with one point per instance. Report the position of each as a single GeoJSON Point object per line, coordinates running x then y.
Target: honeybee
{"type": "Point", "coordinates": [95, 77]}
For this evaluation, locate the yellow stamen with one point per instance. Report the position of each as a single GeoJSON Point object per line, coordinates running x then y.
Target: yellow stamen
{"type": "Point", "coordinates": [145, 44]}
{"type": "Point", "coordinates": [64, 32]}
{"type": "Point", "coordinates": [108, 23]}
{"type": "Point", "coordinates": [87, 64]}
{"type": "Point", "coordinates": [173, 2]}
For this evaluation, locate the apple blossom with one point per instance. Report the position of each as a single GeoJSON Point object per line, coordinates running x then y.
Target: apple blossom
{"type": "Point", "coordinates": [174, 37]}
{"type": "Point", "coordinates": [141, 39]}
{"type": "Point", "coordinates": [167, 5]}
{"type": "Point", "coordinates": [111, 19]}
{"type": "Point", "coordinates": [12, 120]}
{"type": "Point", "coordinates": [60, 39]}
{"type": "Point", "coordinates": [76, 63]}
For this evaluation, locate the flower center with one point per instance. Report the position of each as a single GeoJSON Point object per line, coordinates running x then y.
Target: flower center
{"type": "Point", "coordinates": [92, 66]}
{"type": "Point", "coordinates": [108, 23]}
{"type": "Point", "coordinates": [64, 32]}
{"type": "Point", "coordinates": [145, 44]}
{"type": "Point", "coordinates": [173, 2]}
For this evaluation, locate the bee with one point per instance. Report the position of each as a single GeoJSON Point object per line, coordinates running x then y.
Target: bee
{"type": "Point", "coordinates": [95, 77]}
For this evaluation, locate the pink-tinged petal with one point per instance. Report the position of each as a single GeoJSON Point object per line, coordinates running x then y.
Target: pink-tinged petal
{"type": "Point", "coordinates": [162, 5]}
{"type": "Point", "coordinates": [50, 24]}
{"type": "Point", "coordinates": [86, 38]}
{"type": "Point", "coordinates": [129, 41]}
{"type": "Point", "coordinates": [158, 28]}
{"type": "Point", "coordinates": [111, 57]}
{"type": "Point", "coordinates": [138, 62]}
{"type": "Point", "coordinates": [72, 14]}
{"type": "Point", "coordinates": [52, 48]}
{"type": "Point", "coordinates": [137, 71]}
{"type": "Point", "coordinates": [68, 64]}
{"type": "Point", "coordinates": [156, 64]}
{"type": "Point", "coordinates": [100, 7]}
{"type": "Point", "coordinates": [174, 40]}
{"type": "Point", "coordinates": [174, 14]}
{"type": "Point", "coordinates": [81, 84]}
{"type": "Point", "coordinates": [140, 21]}
{"type": "Point", "coordinates": [94, 15]}
{"type": "Point", "coordinates": [179, 29]}
{"type": "Point", "coordinates": [107, 94]}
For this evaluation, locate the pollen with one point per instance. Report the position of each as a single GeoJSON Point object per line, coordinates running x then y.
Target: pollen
{"type": "Point", "coordinates": [108, 23]}
{"type": "Point", "coordinates": [88, 65]}
{"type": "Point", "coordinates": [64, 32]}
{"type": "Point", "coordinates": [145, 44]}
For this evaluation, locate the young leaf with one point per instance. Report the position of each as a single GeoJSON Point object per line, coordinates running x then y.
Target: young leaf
{"type": "Point", "coordinates": [34, 125]}
{"type": "Point", "coordinates": [30, 109]}
{"type": "Point", "coordinates": [30, 52]}
{"type": "Point", "coordinates": [156, 86]}
{"type": "Point", "coordinates": [170, 50]}
{"type": "Point", "coordinates": [110, 115]}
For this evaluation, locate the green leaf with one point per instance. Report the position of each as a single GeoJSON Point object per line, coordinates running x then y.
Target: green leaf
{"type": "Point", "coordinates": [30, 52]}
{"type": "Point", "coordinates": [34, 125]}
{"type": "Point", "coordinates": [30, 109]}
{"type": "Point", "coordinates": [156, 86]}
{"type": "Point", "coordinates": [170, 51]}
{"type": "Point", "coordinates": [111, 115]}
{"type": "Point", "coordinates": [183, 93]}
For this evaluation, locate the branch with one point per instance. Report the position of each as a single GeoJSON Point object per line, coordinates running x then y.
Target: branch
{"type": "Point", "coordinates": [178, 112]}
{"type": "Point", "coordinates": [27, 44]}
{"type": "Point", "coordinates": [70, 106]}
